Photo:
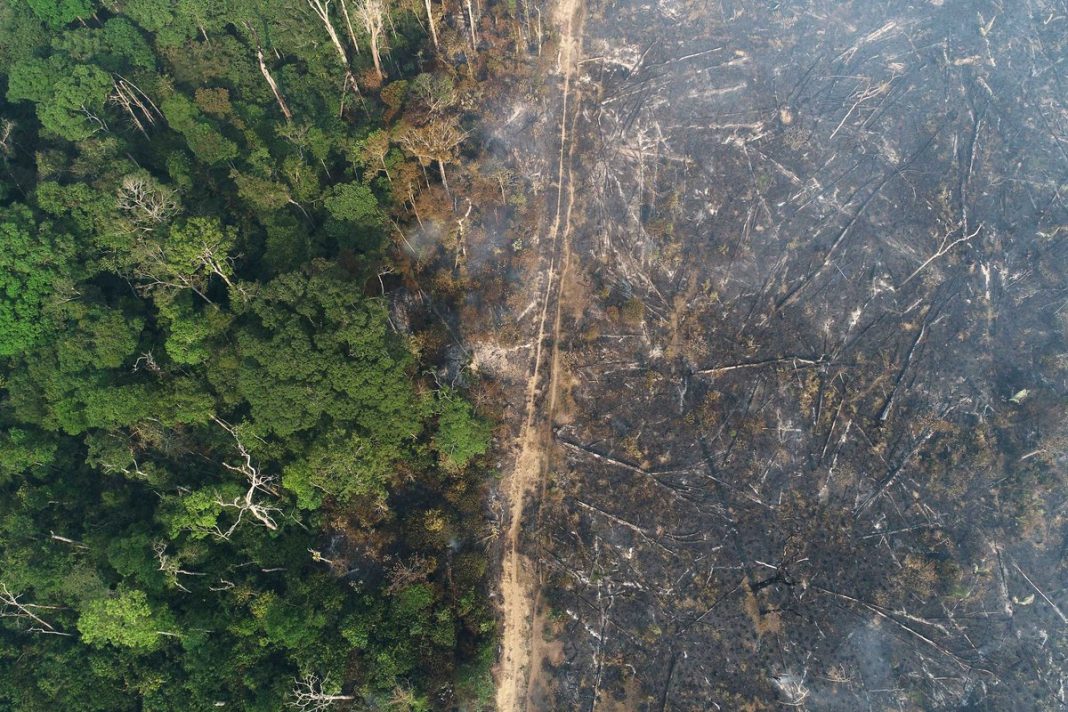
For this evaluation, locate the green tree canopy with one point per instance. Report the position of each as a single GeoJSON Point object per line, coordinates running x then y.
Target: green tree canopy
{"type": "Point", "coordinates": [69, 97]}
{"type": "Point", "coordinates": [126, 619]}
{"type": "Point", "coordinates": [60, 12]}
{"type": "Point", "coordinates": [33, 264]}
{"type": "Point", "coordinates": [317, 348]}
{"type": "Point", "coordinates": [461, 435]}
{"type": "Point", "coordinates": [221, 465]}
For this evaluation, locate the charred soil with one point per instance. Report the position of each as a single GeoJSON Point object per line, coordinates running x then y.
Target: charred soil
{"type": "Point", "coordinates": [793, 430]}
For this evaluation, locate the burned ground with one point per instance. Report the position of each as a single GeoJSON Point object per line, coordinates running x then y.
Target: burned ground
{"type": "Point", "coordinates": [810, 450]}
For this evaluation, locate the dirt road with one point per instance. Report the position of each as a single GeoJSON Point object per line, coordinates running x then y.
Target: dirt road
{"type": "Point", "coordinates": [520, 640]}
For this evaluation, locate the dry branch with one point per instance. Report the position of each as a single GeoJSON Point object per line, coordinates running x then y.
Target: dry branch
{"type": "Point", "coordinates": [321, 8]}
{"type": "Point", "coordinates": [1056, 609]}
{"type": "Point", "coordinates": [945, 247]}
{"type": "Point", "coordinates": [258, 484]}
{"type": "Point", "coordinates": [797, 361]}
{"type": "Point", "coordinates": [274, 86]}
{"type": "Point", "coordinates": [11, 607]}
{"type": "Point", "coordinates": [590, 452]}
{"type": "Point", "coordinates": [308, 695]}
{"type": "Point", "coordinates": [643, 533]}
{"type": "Point", "coordinates": [888, 617]}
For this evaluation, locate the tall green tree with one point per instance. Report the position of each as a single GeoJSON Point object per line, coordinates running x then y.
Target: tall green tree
{"type": "Point", "coordinates": [35, 268]}
{"type": "Point", "coordinates": [69, 98]}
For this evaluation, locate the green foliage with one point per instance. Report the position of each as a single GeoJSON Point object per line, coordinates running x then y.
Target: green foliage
{"type": "Point", "coordinates": [196, 381]}
{"type": "Point", "coordinates": [126, 619]}
{"type": "Point", "coordinates": [474, 681]}
{"type": "Point", "coordinates": [356, 218]}
{"type": "Point", "coordinates": [199, 247]}
{"type": "Point", "coordinates": [69, 97]}
{"type": "Point", "coordinates": [461, 435]}
{"type": "Point", "coordinates": [152, 15]}
{"type": "Point", "coordinates": [191, 328]}
{"type": "Point", "coordinates": [78, 206]}
{"type": "Point", "coordinates": [341, 465]}
{"type": "Point", "coordinates": [117, 46]}
{"type": "Point", "coordinates": [32, 264]}
{"type": "Point", "coordinates": [355, 204]}
{"type": "Point", "coordinates": [21, 32]}
{"type": "Point", "coordinates": [60, 12]}
{"type": "Point", "coordinates": [317, 349]}
{"type": "Point", "coordinates": [196, 513]}
{"type": "Point", "coordinates": [204, 140]}
{"type": "Point", "coordinates": [22, 450]}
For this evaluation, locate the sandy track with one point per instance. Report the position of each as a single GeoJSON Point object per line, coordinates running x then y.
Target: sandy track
{"type": "Point", "coordinates": [520, 641]}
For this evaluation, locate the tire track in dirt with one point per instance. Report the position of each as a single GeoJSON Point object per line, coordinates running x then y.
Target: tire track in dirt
{"type": "Point", "coordinates": [520, 638]}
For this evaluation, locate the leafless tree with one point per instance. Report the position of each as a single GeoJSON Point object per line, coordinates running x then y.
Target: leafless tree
{"type": "Point", "coordinates": [309, 696]}
{"type": "Point", "coordinates": [348, 26]}
{"type": "Point", "coordinates": [435, 92]}
{"type": "Point", "coordinates": [152, 274]}
{"type": "Point", "coordinates": [943, 247]}
{"type": "Point", "coordinates": [147, 203]}
{"type": "Point", "coordinates": [208, 257]}
{"type": "Point", "coordinates": [405, 573]}
{"type": "Point", "coordinates": [430, 21]}
{"type": "Point", "coordinates": [146, 361]}
{"type": "Point", "coordinates": [274, 86]}
{"type": "Point", "coordinates": [267, 74]}
{"type": "Point", "coordinates": [66, 540]}
{"type": "Point", "coordinates": [12, 607]}
{"type": "Point", "coordinates": [6, 127]}
{"type": "Point", "coordinates": [321, 8]}
{"type": "Point", "coordinates": [137, 105]}
{"type": "Point", "coordinates": [471, 25]}
{"type": "Point", "coordinates": [172, 566]}
{"type": "Point", "coordinates": [94, 118]}
{"type": "Point", "coordinates": [258, 486]}
{"type": "Point", "coordinates": [372, 14]}
{"type": "Point", "coordinates": [375, 148]}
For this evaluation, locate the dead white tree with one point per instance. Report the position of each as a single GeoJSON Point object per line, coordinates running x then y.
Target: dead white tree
{"type": "Point", "coordinates": [461, 236]}
{"type": "Point", "coordinates": [372, 14]}
{"type": "Point", "coordinates": [66, 540]}
{"type": "Point", "coordinates": [471, 25]}
{"type": "Point", "coordinates": [1054, 606]}
{"type": "Point", "coordinates": [267, 74]}
{"type": "Point", "coordinates": [258, 486]}
{"type": "Point", "coordinates": [436, 92]}
{"type": "Point", "coordinates": [146, 361]}
{"type": "Point", "coordinates": [309, 695]}
{"type": "Point", "coordinates": [348, 25]}
{"type": "Point", "coordinates": [172, 566]}
{"type": "Point", "coordinates": [6, 127]}
{"type": "Point", "coordinates": [208, 257]}
{"type": "Point", "coordinates": [137, 105]}
{"type": "Point", "coordinates": [12, 607]}
{"type": "Point", "coordinates": [146, 202]}
{"type": "Point", "coordinates": [273, 85]}
{"type": "Point", "coordinates": [430, 21]}
{"type": "Point", "coordinates": [154, 273]}
{"type": "Point", "coordinates": [793, 688]}
{"type": "Point", "coordinates": [321, 8]}
{"type": "Point", "coordinates": [375, 148]}
{"type": "Point", "coordinates": [94, 118]}
{"type": "Point", "coordinates": [224, 585]}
